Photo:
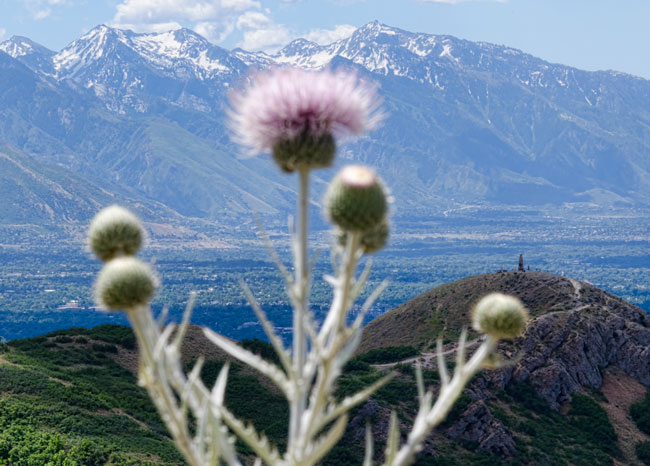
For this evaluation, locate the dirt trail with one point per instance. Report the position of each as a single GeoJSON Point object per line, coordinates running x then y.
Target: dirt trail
{"type": "Point", "coordinates": [3, 361]}
{"type": "Point", "coordinates": [428, 359]}
{"type": "Point", "coordinates": [577, 287]}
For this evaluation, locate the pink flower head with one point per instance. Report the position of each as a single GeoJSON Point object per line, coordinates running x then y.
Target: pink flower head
{"type": "Point", "coordinates": [284, 103]}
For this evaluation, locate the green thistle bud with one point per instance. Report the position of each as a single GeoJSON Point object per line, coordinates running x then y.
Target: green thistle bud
{"type": "Point", "coordinates": [124, 283]}
{"type": "Point", "coordinates": [305, 151]}
{"type": "Point", "coordinates": [500, 316]}
{"type": "Point", "coordinates": [113, 232]}
{"type": "Point", "coordinates": [356, 200]}
{"type": "Point", "coordinates": [371, 240]}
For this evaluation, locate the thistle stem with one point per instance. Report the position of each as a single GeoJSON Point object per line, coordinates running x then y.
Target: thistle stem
{"type": "Point", "coordinates": [147, 334]}
{"type": "Point", "coordinates": [302, 299]}
{"type": "Point", "coordinates": [323, 386]}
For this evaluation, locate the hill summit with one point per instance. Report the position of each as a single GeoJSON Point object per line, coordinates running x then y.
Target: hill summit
{"type": "Point", "coordinates": [575, 330]}
{"type": "Point", "coordinates": [580, 340]}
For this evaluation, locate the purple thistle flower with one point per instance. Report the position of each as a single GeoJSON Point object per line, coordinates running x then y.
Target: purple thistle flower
{"type": "Point", "coordinates": [287, 103]}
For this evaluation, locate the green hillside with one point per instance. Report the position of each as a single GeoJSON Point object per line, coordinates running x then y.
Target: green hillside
{"type": "Point", "coordinates": [69, 398]}
{"type": "Point", "coordinates": [66, 401]}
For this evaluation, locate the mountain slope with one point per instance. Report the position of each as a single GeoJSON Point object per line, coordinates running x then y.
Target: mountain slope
{"type": "Point", "coordinates": [179, 159]}
{"type": "Point", "coordinates": [468, 123]}
{"type": "Point", "coordinates": [46, 193]}
{"type": "Point", "coordinates": [131, 71]}
{"type": "Point", "coordinates": [30, 53]}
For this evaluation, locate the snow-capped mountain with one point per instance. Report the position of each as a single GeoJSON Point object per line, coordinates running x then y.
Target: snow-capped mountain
{"type": "Point", "coordinates": [468, 122]}
{"type": "Point", "coordinates": [125, 68]}
{"type": "Point", "coordinates": [437, 60]}
{"type": "Point", "coordinates": [129, 71]}
{"type": "Point", "coordinates": [180, 53]}
{"type": "Point", "coordinates": [30, 53]}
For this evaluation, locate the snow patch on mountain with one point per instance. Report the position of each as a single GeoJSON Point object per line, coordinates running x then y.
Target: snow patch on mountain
{"type": "Point", "coordinates": [90, 47]}
{"type": "Point", "coordinates": [124, 68]}
{"type": "Point", "coordinates": [17, 47]}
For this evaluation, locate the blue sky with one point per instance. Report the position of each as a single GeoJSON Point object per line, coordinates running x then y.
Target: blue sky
{"type": "Point", "coordinates": [588, 34]}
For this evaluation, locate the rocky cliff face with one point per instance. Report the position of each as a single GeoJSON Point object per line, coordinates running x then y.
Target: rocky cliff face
{"type": "Point", "coordinates": [565, 350]}
{"type": "Point", "coordinates": [576, 334]}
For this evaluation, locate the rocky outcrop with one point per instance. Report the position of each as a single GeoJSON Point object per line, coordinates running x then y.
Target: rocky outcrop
{"type": "Point", "coordinates": [477, 424]}
{"type": "Point", "coordinates": [564, 352]}
{"type": "Point", "coordinates": [576, 332]}
{"type": "Point", "coordinates": [372, 413]}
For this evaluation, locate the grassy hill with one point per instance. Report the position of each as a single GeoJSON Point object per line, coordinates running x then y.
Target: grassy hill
{"type": "Point", "coordinates": [444, 310]}
{"type": "Point", "coordinates": [70, 397]}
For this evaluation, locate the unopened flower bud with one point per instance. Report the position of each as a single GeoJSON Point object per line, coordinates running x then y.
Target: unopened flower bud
{"type": "Point", "coordinates": [115, 231]}
{"type": "Point", "coordinates": [500, 316]}
{"type": "Point", "coordinates": [371, 240]}
{"type": "Point", "coordinates": [124, 283]}
{"type": "Point", "coordinates": [356, 200]}
{"type": "Point", "coordinates": [305, 151]}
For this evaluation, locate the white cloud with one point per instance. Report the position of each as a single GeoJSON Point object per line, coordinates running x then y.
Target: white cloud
{"type": "Point", "coordinates": [454, 2]}
{"type": "Point", "coordinates": [164, 11]}
{"type": "Point", "coordinates": [213, 19]}
{"type": "Point", "coordinates": [260, 33]}
{"type": "Point", "coordinates": [149, 27]}
{"type": "Point", "coordinates": [267, 39]}
{"type": "Point", "coordinates": [42, 14]}
{"type": "Point", "coordinates": [327, 36]}
{"type": "Point", "coordinates": [3, 33]}
{"type": "Point", "coordinates": [42, 9]}
{"type": "Point", "coordinates": [253, 20]}
{"type": "Point", "coordinates": [216, 20]}
{"type": "Point", "coordinates": [215, 32]}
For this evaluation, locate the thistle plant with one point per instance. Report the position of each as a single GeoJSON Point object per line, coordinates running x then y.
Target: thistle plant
{"type": "Point", "coordinates": [296, 115]}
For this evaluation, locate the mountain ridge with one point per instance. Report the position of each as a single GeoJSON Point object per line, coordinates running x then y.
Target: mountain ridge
{"type": "Point", "coordinates": [468, 123]}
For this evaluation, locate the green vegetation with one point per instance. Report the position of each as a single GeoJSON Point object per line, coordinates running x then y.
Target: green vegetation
{"type": "Point", "coordinates": [640, 412]}
{"type": "Point", "coordinates": [251, 400]}
{"type": "Point", "coordinates": [388, 354]}
{"type": "Point", "coordinates": [592, 420]}
{"type": "Point", "coordinates": [583, 437]}
{"type": "Point", "coordinates": [25, 446]}
{"type": "Point", "coordinates": [643, 452]}
{"type": "Point", "coordinates": [66, 402]}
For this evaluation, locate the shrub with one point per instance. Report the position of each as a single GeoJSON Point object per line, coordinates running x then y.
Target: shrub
{"type": "Point", "coordinates": [388, 354]}
{"type": "Point", "coordinates": [643, 452]}
{"type": "Point", "coordinates": [640, 412]}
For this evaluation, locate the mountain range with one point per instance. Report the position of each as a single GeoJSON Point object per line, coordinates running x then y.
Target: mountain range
{"type": "Point", "coordinates": [141, 119]}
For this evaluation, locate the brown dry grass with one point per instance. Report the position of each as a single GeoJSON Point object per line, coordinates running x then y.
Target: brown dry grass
{"type": "Point", "coordinates": [443, 311]}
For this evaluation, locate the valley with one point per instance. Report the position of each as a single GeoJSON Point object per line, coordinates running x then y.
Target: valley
{"type": "Point", "coordinates": [39, 277]}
